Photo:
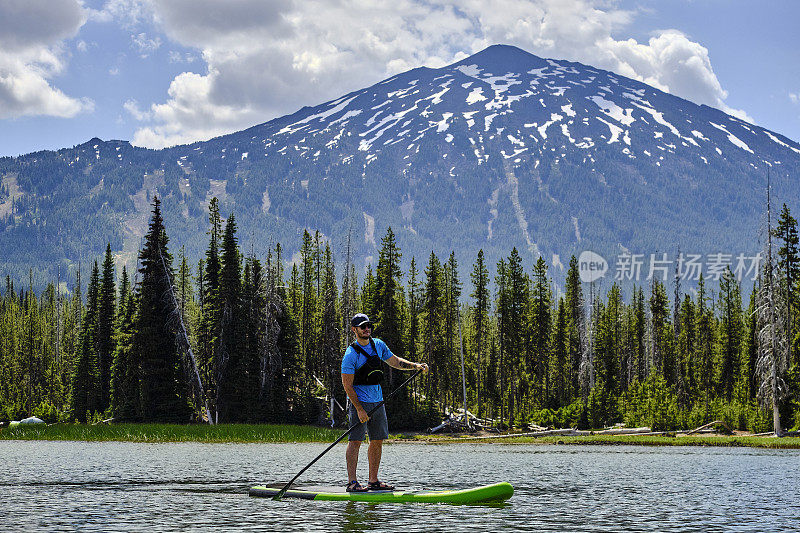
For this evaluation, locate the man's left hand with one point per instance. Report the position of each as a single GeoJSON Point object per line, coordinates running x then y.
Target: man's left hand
{"type": "Point", "coordinates": [423, 367]}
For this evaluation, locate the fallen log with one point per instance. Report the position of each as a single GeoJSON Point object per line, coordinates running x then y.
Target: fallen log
{"type": "Point", "coordinates": [564, 432]}
{"type": "Point", "coordinates": [710, 424]}
{"type": "Point", "coordinates": [625, 431]}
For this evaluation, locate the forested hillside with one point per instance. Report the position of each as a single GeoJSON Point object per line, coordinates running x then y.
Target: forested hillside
{"type": "Point", "coordinates": [268, 343]}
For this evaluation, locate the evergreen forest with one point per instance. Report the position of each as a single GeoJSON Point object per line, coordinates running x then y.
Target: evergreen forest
{"type": "Point", "coordinates": [240, 338]}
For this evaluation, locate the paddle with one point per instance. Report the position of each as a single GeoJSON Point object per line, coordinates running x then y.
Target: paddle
{"type": "Point", "coordinates": [346, 433]}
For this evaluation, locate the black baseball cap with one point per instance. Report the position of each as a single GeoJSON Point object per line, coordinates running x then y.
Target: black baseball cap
{"type": "Point", "coordinates": [359, 320]}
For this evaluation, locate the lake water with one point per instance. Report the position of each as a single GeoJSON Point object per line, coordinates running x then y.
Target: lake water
{"type": "Point", "coordinates": [68, 486]}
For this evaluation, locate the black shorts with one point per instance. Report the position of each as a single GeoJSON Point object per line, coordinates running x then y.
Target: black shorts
{"type": "Point", "coordinates": [377, 425]}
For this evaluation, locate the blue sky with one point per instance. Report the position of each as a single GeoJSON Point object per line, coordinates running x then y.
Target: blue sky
{"type": "Point", "coordinates": [164, 72]}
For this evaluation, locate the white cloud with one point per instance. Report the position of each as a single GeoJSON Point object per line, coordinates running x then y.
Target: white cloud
{"type": "Point", "coordinates": [189, 114]}
{"type": "Point", "coordinates": [269, 58]}
{"type": "Point", "coordinates": [145, 45]}
{"type": "Point", "coordinates": [673, 63]}
{"type": "Point", "coordinates": [132, 107]}
{"type": "Point", "coordinates": [795, 97]}
{"type": "Point", "coordinates": [31, 53]}
{"type": "Point", "coordinates": [128, 13]}
{"type": "Point", "coordinates": [177, 57]}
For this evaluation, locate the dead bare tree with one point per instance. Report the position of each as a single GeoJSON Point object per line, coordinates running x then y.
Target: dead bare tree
{"type": "Point", "coordinates": [190, 363]}
{"type": "Point", "coordinates": [772, 361]}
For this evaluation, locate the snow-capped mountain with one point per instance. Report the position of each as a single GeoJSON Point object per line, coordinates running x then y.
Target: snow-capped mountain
{"type": "Point", "coordinates": [501, 149]}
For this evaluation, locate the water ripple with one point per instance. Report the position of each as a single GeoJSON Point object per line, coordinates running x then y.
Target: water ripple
{"type": "Point", "coordinates": [58, 486]}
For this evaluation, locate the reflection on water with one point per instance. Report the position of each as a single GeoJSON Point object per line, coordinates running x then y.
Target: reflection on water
{"type": "Point", "coordinates": [358, 517]}
{"type": "Point", "coordinates": [67, 486]}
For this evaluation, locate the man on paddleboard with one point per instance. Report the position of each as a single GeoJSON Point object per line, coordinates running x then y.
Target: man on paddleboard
{"type": "Point", "coordinates": [361, 377]}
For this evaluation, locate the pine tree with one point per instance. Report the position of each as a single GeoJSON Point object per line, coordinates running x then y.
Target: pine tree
{"type": "Point", "coordinates": [412, 324]}
{"type": "Point", "coordinates": [730, 335]}
{"type": "Point", "coordinates": [704, 357]}
{"type": "Point", "coordinates": [686, 344]}
{"type": "Point", "coordinates": [513, 286]}
{"type": "Point", "coordinates": [789, 251]}
{"type": "Point", "coordinates": [210, 307]}
{"type": "Point", "coordinates": [576, 324]}
{"type": "Point", "coordinates": [291, 375]}
{"type": "Point", "coordinates": [608, 347]}
{"type": "Point", "coordinates": [163, 391]}
{"type": "Point", "coordinates": [560, 366]}
{"type": "Point", "coordinates": [184, 285]}
{"type": "Point", "coordinates": [480, 325]}
{"type": "Point", "coordinates": [86, 396]}
{"type": "Point", "coordinates": [348, 299]}
{"type": "Point", "coordinates": [639, 328]}
{"type": "Point", "coordinates": [105, 328]}
{"type": "Point", "coordinates": [125, 370]}
{"type": "Point", "coordinates": [519, 284]}
{"type": "Point", "coordinates": [295, 296]}
{"type": "Point", "coordinates": [502, 325]}
{"type": "Point", "coordinates": [789, 281]}
{"type": "Point", "coordinates": [368, 292]}
{"type": "Point", "coordinates": [388, 303]}
{"type": "Point", "coordinates": [451, 295]}
{"type": "Point", "coordinates": [330, 342]}
{"type": "Point", "coordinates": [278, 360]}
{"type": "Point", "coordinates": [540, 329]}
{"type": "Point", "coordinates": [388, 295]}
{"type": "Point", "coordinates": [229, 401]}
{"type": "Point", "coordinates": [433, 315]}
{"type": "Point", "coordinates": [750, 349]}
{"type": "Point", "coordinates": [308, 319]}
{"type": "Point", "coordinates": [248, 372]}
{"type": "Point", "coordinates": [662, 361]}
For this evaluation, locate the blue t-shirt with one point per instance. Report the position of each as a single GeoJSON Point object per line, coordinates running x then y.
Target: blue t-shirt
{"type": "Point", "coordinates": [354, 360]}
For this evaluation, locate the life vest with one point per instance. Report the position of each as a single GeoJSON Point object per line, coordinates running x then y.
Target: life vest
{"type": "Point", "coordinates": [370, 373]}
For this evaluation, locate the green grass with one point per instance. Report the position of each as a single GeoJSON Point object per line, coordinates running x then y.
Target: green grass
{"type": "Point", "coordinates": [288, 433]}
{"type": "Point", "coordinates": [641, 440]}
{"type": "Point", "coordinates": [171, 433]}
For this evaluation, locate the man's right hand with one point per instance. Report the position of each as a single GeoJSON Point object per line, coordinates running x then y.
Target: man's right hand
{"type": "Point", "coordinates": [362, 415]}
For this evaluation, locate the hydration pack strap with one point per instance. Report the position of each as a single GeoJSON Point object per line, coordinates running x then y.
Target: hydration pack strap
{"type": "Point", "coordinates": [357, 347]}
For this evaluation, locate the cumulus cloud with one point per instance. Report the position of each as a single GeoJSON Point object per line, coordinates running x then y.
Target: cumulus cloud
{"type": "Point", "coordinates": [265, 59]}
{"type": "Point", "coordinates": [190, 114]}
{"type": "Point", "coordinates": [672, 62]}
{"type": "Point", "coordinates": [132, 107]}
{"type": "Point", "coordinates": [31, 53]}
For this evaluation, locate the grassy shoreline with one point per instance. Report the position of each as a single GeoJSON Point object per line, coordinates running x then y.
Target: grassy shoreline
{"type": "Point", "coordinates": [726, 441]}
{"type": "Point", "coordinates": [151, 433]}
{"type": "Point", "coordinates": [268, 433]}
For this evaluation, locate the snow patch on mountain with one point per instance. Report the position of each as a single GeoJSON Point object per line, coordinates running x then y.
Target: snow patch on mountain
{"type": "Point", "coordinates": [476, 96]}
{"type": "Point", "coordinates": [775, 139]}
{"type": "Point", "coordinates": [623, 116]}
{"type": "Point", "coordinates": [736, 141]}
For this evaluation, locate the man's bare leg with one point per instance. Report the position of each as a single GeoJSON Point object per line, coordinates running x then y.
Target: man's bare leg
{"type": "Point", "coordinates": [351, 455]}
{"type": "Point", "coordinates": [374, 456]}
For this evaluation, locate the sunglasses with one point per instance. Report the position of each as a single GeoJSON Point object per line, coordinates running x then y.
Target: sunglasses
{"type": "Point", "coordinates": [365, 326]}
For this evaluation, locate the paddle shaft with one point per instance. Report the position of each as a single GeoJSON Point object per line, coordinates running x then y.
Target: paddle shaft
{"type": "Point", "coordinates": [346, 433]}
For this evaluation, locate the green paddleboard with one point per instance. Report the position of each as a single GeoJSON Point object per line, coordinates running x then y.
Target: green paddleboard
{"type": "Point", "coordinates": [497, 492]}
